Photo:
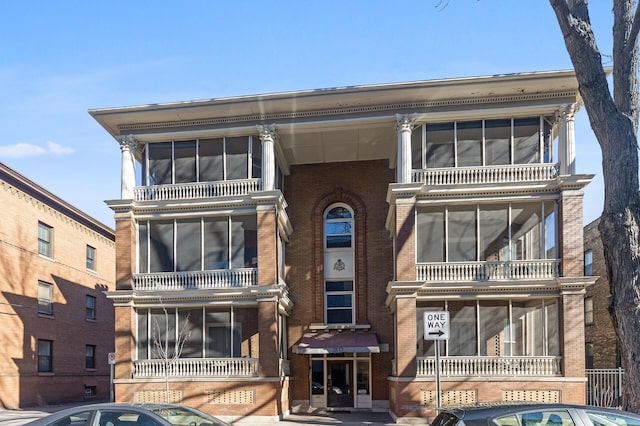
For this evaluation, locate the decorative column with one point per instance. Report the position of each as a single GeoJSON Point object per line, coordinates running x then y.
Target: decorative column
{"type": "Point", "coordinates": [404, 126]}
{"type": "Point", "coordinates": [268, 136]}
{"type": "Point", "coordinates": [128, 177]}
{"type": "Point", "coordinates": [567, 140]}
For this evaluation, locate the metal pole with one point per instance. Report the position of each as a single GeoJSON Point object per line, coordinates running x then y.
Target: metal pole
{"type": "Point", "coordinates": [111, 383]}
{"type": "Point", "coordinates": [437, 375]}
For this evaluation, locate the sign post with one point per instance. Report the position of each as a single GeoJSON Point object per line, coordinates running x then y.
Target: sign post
{"type": "Point", "coordinates": [111, 359]}
{"type": "Point", "coordinates": [436, 327]}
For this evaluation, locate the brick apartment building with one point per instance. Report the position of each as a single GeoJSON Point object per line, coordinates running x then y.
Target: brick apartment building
{"type": "Point", "coordinates": [56, 324]}
{"type": "Point", "coordinates": [600, 338]}
{"type": "Point", "coordinates": [297, 240]}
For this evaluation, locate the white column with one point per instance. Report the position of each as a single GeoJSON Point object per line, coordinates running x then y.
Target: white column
{"type": "Point", "coordinates": [567, 140]}
{"type": "Point", "coordinates": [268, 135]}
{"type": "Point", "coordinates": [128, 177]}
{"type": "Point", "coordinates": [404, 126]}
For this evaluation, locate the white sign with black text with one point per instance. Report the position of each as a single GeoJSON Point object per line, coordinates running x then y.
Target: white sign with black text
{"type": "Point", "coordinates": [436, 325]}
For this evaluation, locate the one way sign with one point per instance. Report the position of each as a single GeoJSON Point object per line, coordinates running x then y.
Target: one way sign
{"type": "Point", "coordinates": [436, 325]}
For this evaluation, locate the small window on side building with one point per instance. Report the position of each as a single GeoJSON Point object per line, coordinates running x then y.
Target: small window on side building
{"type": "Point", "coordinates": [45, 298]}
{"type": "Point", "coordinates": [45, 240]}
{"type": "Point", "coordinates": [90, 357]}
{"type": "Point", "coordinates": [45, 356]}
{"type": "Point", "coordinates": [91, 258]}
{"type": "Point", "coordinates": [588, 311]}
{"type": "Point", "coordinates": [588, 263]}
{"type": "Point", "coordinates": [90, 308]}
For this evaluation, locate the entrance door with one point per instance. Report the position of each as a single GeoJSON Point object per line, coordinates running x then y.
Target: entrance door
{"type": "Point", "coordinates": [340, 383]}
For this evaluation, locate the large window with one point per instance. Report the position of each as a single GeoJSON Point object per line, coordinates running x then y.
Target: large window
{"type": "Point", "coordinates": [495, 328]}
{"type": "Point", "coordinates": [45, 239]}
{"type": "Point", "coordinates": [45, 356]}
{"type": "Point", "coordinates": [339, 268]}
{"type": "Point", "coordinates": [481, 143]}
{"type": "Point", "coordinates": [45, 298]}
{"type": "Point", "coordinates": [202, 160]}
{"type": "Point", "coordinates": [198, 244]}
{"type": "Point", "coordinates": [197, 333]}
{"type": "Point", "coordinates": [486, 232]}
{"type": "Point", "coordinates": [90, 307]}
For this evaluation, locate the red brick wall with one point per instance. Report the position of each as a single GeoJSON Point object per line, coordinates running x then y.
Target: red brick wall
{"type": "Point", "coordinates": [267, 247]}
{"type": "Point", "coordinates": [21, 267]}
{"type": "Point", "coordinates": [570, 238]}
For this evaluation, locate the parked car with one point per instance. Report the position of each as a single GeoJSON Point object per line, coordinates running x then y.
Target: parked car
{"type": "Point", "coordinates": [534, 415]}
{"type": "Point", "coordinates": [121, 414]}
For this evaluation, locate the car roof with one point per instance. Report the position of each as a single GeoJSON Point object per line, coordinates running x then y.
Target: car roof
{"type": "Point", "coordinates": [490, 410]}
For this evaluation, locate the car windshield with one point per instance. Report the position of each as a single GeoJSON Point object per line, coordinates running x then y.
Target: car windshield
{"type": "Point", "coordinates": [183, 416]}
{"type": "Point", "coordinates": [610, 419]}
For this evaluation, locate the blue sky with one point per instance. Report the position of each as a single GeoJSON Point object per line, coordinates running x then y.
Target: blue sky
{"type": "Point", "coordinates": [60, 59]}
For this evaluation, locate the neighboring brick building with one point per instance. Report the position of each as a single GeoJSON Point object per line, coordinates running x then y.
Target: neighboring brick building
{"type": "Point", "coordinates": [57, 326]}
{"type": "Point", "coordinates": [303, 236]}
{"type": "Point", "coordinates": [600, 339]}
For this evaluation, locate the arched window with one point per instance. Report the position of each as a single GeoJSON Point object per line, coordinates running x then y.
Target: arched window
{"type": "Point", "coordinates": [339, 265]}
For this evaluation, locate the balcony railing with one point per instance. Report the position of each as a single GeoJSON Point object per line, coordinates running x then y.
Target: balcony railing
{"type": "Point", "coordinates": [190, 367]}
{"type": "Point", "coordinates": [193, 190]}
{"type": "Point", "coordinates": [488, 271]}
{"type": "Point", "coordinates": [486, 174]}
{"type": "Point", "coordinates": [491, 366]}
{"type": "Point", "coordinates": [196, 280]}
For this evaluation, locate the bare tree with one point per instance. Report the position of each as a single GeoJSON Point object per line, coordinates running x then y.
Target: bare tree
{"type": "Point", "coordinates": [614, 120]}
{"type": "Point", "coordinates": [168, 351]}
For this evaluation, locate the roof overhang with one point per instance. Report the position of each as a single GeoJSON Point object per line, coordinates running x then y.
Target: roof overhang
{"type": "Point", "coordinates": [333, 342]}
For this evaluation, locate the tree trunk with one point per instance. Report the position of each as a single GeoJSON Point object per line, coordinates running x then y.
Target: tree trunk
{"type": "Point", "coordinates": [614, 122]}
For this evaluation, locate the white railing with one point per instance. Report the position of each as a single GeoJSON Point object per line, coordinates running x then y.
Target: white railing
{"type": "Point", "coordinates": [488, 271]}
{"type": "Point", "coordinates": [604, 387]}
{"type": "Point", "coordinates": [486, 174]}
{"type": "Point", "coordinates": [182, 191]}
{"type": "Point", "coordinates": [190, 367]}
{"type": "Point", "coordinates": [196, 280]}
{"type": "Point", "coordinates": [491, 366]}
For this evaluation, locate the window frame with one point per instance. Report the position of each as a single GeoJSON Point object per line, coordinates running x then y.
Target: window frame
{"type": "Point", "coordinates": [45, 359]}
{"type": "Point", "coordinates": [90, 357]}
{"type": "Point", "coordinates": [45, 301]}
{"type": "Point", "coordinates": [589, 317]}
{"type": "Point", "coordinates": [90, 311]}
{"type": "Point", "coordinates": [90, 258]}
{"type": "Point", "coordinates": [45, 240]}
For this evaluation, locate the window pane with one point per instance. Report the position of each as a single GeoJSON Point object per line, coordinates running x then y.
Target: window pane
{"type": "Point", "coordinates": [163, 333]}
{"type": "Point", "coordinates": [462, 234]}
{"type": "Point", "coordinates": [526, 231]}
{"type": "Point", "coordinates": [237, 157]}
{"type": "Point", "coordinates": [142, 340]}
{"type": "Point", "coordinates": [184, 154]}
{"type": "Point", "coordinates": [90, 356]}
{"type": "Point", "coordinates": [462, 341]}
{"type": "Point", "coordinates": [216, 243]}
{"type": "Point", "coordinates": [553, 327]}
{"type": "Point", "coordinates": [190, 332]}
{"type": "Point", "coordinates": [339, 213]}
{"type": "Point", "coordinates": [339, 316]}
{"type": "Point", "coordinates": [338, 234]}
{"type": "Point", "coordinates": [188, 245]}
{"type": "Point", "coordinates": [44, 239]}
{"type": "Point", "coordinates": [211, 163]}
{"type": "Point", "coordinates": [45, 298]}
{"type": "Point", "coordinates": [439, 145]}
{"type": "Point", "coordinates": [91, 258]}
{"type": "Point", "coordinates": [160, 163]}
{"type": "Point", "coordinates": [218, 326]}
{"type": "Point", "coordinates": [244, 242]}
{"type": "Point", "coordinates": [45, 351]}
{"type": "Point", "coordinates": [497, 135]}
{"type": "Point", "coordinates": [338, 300]}
{"type": "Point", "coordinates": [526, 140]}
{"type": "Point", "coordinates": [425, 347]}
{"type": "Point", "coordinates": [588, 262]}
{"type": "Point", "coordinates": [256, 157]}
{"type": "Point", "coordinates": [494, 334]}
{"type": "Point", "coordinates": [143, 247]}
{"type": "Point", "coordinates": [469, 135]}
{"type": "Point", "coordinates": [430, 244]}
{"type": "Point", "coordinates": [339, 285]}
{"type": "Point", "coordinates": [161, 246]}
{"type": "Point", "coordinates": [90, 307]}
{"type": "Point", "coordinates": [494, 233]}
{"type": "Point", "coordinates": [416, 148]}
{"type": "Point", "coordinates": [550, 230]}
{"type": "Point", "coordinates": [246, 324]}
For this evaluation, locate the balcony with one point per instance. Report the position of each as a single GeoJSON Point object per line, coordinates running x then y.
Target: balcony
{"type": "Point", "coordinates": [196, 367]}
{"type": "Point", "coordinates": [196, 280]}
{"type": "Point", "coordinates": [195, 190]}
{"type": "Point", "coordinates": [515, 173]}
{"type": "Point", "coordinates": [491, 366]}
{"type": "Point", "coordinates": [538, 269]}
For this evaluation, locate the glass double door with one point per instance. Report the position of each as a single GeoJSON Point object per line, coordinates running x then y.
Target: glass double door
{"type": "Point", "coordinates": [340, 383]}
